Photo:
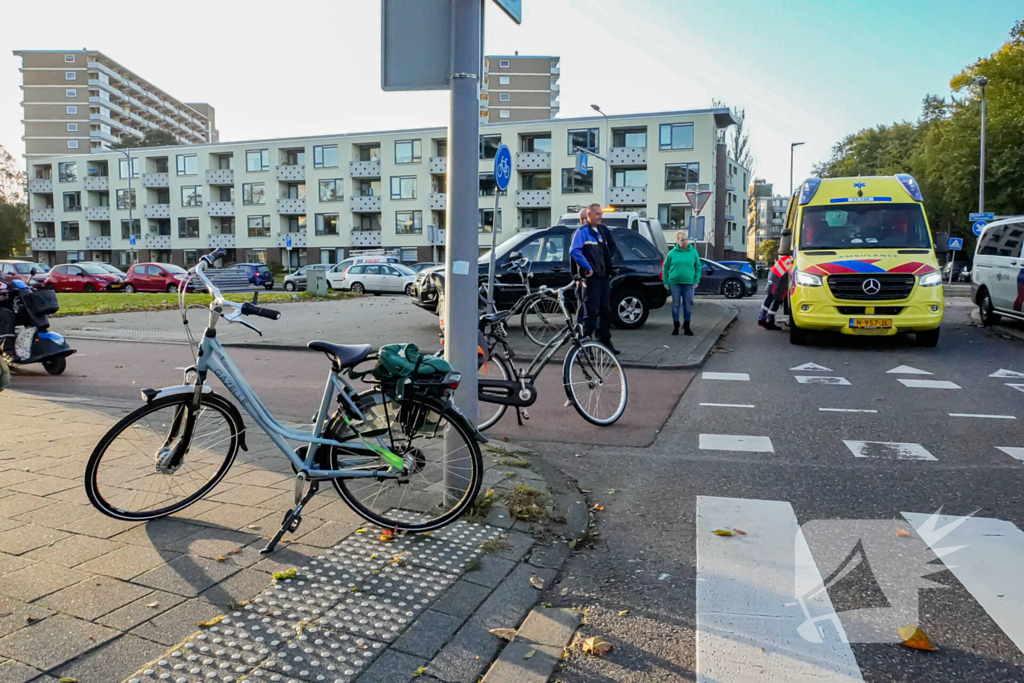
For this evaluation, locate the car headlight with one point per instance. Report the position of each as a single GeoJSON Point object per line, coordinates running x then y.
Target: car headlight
{"type": "Point", "coordinates": [808, 279]}
{"type": "Point", "coordinates": [931, 279]}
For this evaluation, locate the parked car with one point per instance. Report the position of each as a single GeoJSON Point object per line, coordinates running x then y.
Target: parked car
{"type": "Point", "coordinates": [156, 277]}
{"type": "Point", "coordinates": [997, 278]}
{"type": "Point", "coordinates": [297, 280]}
{"type": "Point", "coordinates": [742, 266]}
{"type": "Point", "coordinates": [422, 265]}
{"type": "Point", "coordinates": [636, 281]}
{"type": "Point", "coordinates": [958, 267]}
{"type": "Point", "coordinates": [113, 270]}
{"type": "Point", "coordinates": [378, 278]}
{"type": "Point", "coordinates": [720, 279]}
{"type": "Point", "coordinates": [259, 274]}
{"type": "Point", "coordinates": [23, 270]}
{"type": "Point", "coordinates": [336, 274]}
{"type": "Point", "coordinates": [82, 277]}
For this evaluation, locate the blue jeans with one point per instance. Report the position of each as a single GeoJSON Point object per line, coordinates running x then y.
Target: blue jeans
{"type": "Point", "coordinates": [682, 294]}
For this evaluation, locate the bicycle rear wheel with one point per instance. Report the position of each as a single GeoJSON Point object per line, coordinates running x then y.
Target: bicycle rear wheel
{"type": "Point", "coordinates": [542, 319]}
{"type": "Point", "coordinates": [595, 383]}
{"type": "Point", "coordinates": [127, 476]}
{"type": "Point", "coordinates": [440, 482]}
{"type": "Point", "coordinates": [488, 414]}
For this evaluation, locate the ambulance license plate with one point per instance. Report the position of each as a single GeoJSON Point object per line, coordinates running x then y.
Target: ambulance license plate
{"type": "Point", "coordinates": [871, 323]}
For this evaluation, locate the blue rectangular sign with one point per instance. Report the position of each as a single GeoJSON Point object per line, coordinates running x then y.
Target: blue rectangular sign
{"type": "Point", "coordinates": [956, 243]}
{"type": "Point", "coordinates": [981, 217]}
{"type": "Point", "coordinates": [513, 8]}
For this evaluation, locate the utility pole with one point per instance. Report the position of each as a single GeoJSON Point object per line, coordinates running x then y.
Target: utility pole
{"type": "Point", "coordinates": [608, 152]}
{"type": "Point", "coordinates": [983, 82]}
{"type": "Point", "coordinates": [792, 146]}
{"type": "Point", "coordinates": [131, 202]}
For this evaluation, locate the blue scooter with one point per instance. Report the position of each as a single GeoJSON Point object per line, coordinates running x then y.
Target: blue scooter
{"type": "Point", "coordinates": [34, 343]}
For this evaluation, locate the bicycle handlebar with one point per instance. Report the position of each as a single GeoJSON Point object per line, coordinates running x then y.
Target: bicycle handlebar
{"type": "Point", "coordinates": [253, 309]}
{"type": "Point", "coordinates": [245, 308]}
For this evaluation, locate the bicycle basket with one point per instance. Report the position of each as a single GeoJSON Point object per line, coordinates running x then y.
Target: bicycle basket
{"type": "Point", "coordinates": [40, 303]}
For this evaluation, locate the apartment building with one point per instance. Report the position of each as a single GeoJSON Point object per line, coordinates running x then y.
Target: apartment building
{"type": "Point", "coordinates": [518, 88]}
{"type": "Point", "coordinates": [367, 190]}
{"type": "Point", "coordinates": [767, 216]}
{"type": "Point", "coordinates": [77, 101]}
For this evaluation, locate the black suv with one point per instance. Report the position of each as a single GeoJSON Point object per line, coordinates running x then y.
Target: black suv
{"type": "Point", "coordinates": [636, 282]}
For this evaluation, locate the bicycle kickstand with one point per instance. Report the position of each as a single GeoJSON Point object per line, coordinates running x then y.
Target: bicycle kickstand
{"type": "Point", "coordinates": [293, 518]}
{"type": "Point", "coordinates": [521, 415]}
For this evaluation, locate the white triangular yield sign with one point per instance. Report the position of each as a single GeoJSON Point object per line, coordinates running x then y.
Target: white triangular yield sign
{"type": "Point", "coordinates": [907, 370]}
{"type": "Point", "coordinates": [1018, 387]}
{"type": "Point", "coordinates": [1008, 374]}
{"type": "Point", "coordinates": [697, 199]}
{"type": "Point", "coordinates": [811, 367]}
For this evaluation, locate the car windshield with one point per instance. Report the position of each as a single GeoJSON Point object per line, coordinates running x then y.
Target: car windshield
{"type": "Point", "coordinates": [26, 268]}
{"type": "Point", "coordinates": [888, 226]}
{"type": "Point", "coordinates": [173, 269]}
{"type": "Point", "coordinates": [110, 269]}
{"type": "Point", "coordinates": [404, 270]}
{"type": "Point", "coordinates": [93, 269]}
{"type": "Point", "coordinates": [507, 246]}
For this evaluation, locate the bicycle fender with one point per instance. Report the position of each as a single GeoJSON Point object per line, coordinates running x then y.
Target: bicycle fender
{"type": "Point", "coordinates": [149, 395]}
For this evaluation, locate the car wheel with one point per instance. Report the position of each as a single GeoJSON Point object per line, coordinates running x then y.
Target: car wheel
{"type": "Point", "coordinates": [928, 339]}
{"type": "Point", "coordinates": [172, 289]}
{"type": "Point", "coordinates": [289, 286]}
{"type": "Point", "coordinates": [629, 309]}
{"type": "Point", "coordinates": [130, 289]}
{"type": "Point", "coordinates": [89, 288]}
{"type": "Point", "coordinates": [408, 290]}
{"type": "Point", "coordinates": [987, 310]}
{"type": "Point", "coordinates": [732, 289]}
{"type": "Point", "coordinates": [358, 288]}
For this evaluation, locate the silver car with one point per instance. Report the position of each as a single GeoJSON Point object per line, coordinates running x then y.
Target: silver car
{"type": "Point", "coordinates": [297, 280]}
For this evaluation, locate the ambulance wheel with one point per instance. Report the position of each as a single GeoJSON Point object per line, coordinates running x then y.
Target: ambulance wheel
{"type": "Point", "coordinates": [55, 366]}
{"type": "Point", "coordinates": [796, 335]}
{"type": "Point", "coordinates": [929, 339]}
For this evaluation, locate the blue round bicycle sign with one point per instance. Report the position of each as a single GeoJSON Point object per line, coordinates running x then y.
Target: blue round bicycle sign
{"type": "Point", "coordinates": [979, 227]}
{"type": "Point", "coordinates": [502, 167]}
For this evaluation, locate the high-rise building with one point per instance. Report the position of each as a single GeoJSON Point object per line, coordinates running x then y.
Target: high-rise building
{"type": "Point", "coordinates": [77, 101]}
{"type": "Point", "coordinates": [767, 216]}
{"type": "Point", "coordinates": [518, 88]}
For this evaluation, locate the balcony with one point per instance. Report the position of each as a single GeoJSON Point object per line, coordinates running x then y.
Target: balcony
{"type": "Point", "coordinates": [220, 209]}
{"type": "Point", "coordinates": [97, 84]}
{"type": "Point", "coordinates": [99, 183]}
{"type": "Point", "coordinates": [298, 239]}
{"type": "Point", "coordinates": [43, 243]}
{"type": "Point", "coordinates": [220, 240]}
{"type": "Point", "coordinates": [153, 241]}
{"type": "Point", "coordinates": [291, 207]}
{"type": "Point", "coordinates": [97, 213]}
{"type": "Point", "coordinates": [438, 165]}
{"type": "Point", "coordinates": [97, 242]}
{"type": "Point", "coordinates": [220, 176]}
{"type": "Point", "coordinates": [628, 195]}
{"type": "Point", "coordinates": [41, 215]}
{"type": "Point", "coordinates": [364, 169]}
{"type": "Point", "coordinates": [628, 156]}
{"type": "Point", "coordinates": [438, 201]}
{"type": "Point", "coordinates": [40, 185]}
{"type": "Point", "coordinates": [156, 211]}
{"type": "Point", "coordinates": [366, 238]}
{"type": "Point", "coordinates": [156, 180]}
{"type": "Point", "coordinates": [533, 161]}
{"type": "Point", "coordinates": [365, 204]}
{"type": "Point", "coordinates": [532, 199]}
{"type": "Point", "coordinates": [287, 172]}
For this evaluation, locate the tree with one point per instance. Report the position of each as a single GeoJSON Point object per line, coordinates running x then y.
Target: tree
{"type": "Point", "coordinates": [153, 138]}
{"type": "Point", "coordinates": [13, 229]}
{"type": "Point", "coordinates": [12, 179]}
{"type": "Point", "coordinates": [737, 137]}
{"type": "Point", "coordinates": [768, 251]}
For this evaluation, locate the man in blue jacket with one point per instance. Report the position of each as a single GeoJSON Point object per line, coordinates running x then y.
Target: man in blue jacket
{"type": "Point", "coordinates": [591, 251]}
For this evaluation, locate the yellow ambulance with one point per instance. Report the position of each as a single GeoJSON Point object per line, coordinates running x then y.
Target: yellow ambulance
{"type": "Point", "coordinates": [864, 261]}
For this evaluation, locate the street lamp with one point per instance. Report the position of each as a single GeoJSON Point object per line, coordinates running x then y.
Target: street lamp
{"type": "Point", "coordinates": [983, 82]}
{"type": "Point", "coordinates": [792, 146]}
{"type": "Point", "coordinates": [128, 156]}
{"type": "Point", "coordinates": [608, 147]}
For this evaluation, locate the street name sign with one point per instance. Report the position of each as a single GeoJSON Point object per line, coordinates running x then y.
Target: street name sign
{"type": "Point", "coordinates": [981, 217]}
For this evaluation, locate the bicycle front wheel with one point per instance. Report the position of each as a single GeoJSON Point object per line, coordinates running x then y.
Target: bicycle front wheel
{"type": "Point", "coordinates": [542, 319]}
{"type": "Point", "coordinates": [595, 383]}
{"type": "Point", "coordinates": [443, 467]}
{"type": "Point", "coordinates": [131, 474]}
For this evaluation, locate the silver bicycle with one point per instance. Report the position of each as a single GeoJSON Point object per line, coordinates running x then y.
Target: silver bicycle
{"type": "Point", "coordinates": [400, 455]}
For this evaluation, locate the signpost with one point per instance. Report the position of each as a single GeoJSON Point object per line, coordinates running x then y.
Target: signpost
{"type": "Point", "coordinates": [581, 163]}
{"type": "Point", "coordinates": [978, 227]}
{"type": "Point", "coordinates": [955, 245]}
{"type": "Point", "coordinates": [502, 176]}
{"type": "Point", "coordinates": [698, 196]}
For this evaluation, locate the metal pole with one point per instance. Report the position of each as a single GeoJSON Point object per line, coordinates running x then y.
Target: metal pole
{"type": "Point", "coordinates": [493, 308]}
{"type": "Point", "coordinates": [608, 147]}
{"type": "Point", "coordinates": [792, 146]}
{"type": "Point", "coordinates": [981, 176]}
{"type": "Point", "coordinates": [131, 224]}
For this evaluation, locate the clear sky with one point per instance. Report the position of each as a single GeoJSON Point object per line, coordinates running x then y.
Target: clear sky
{"type": "Point", "coordinates": [805, 70]}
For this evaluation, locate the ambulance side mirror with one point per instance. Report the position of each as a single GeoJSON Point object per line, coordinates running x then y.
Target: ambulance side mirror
{"type": "Point", "coordinates": [941, 243]}
{"type": "Point", "coordinates": [786, 243]}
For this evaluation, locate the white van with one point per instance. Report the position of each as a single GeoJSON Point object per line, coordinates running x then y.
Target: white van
{"type": "Point", "coordinates": [336, 274]}
{"type": "Point", "coordinates": [997, 277]}
{"type": "Point", "coordinates": [648, 227]}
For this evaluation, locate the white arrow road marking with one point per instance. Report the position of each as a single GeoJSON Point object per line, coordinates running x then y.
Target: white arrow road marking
{"type": "Point", "coordinates": [1017, 453]}
{"type": "Point", "coordinates": [733, 442]}
{"type": "Point", "coordinates": [929, 384]}
{"type": "Point", "coordinates": [726, 376]}
{"type": "Point", "coordinates": [1018, 387]}
{"type": "Point", "coordinates": [907, 370]}
{"type": "Point", "coordinates": [1008, 374]}
{"type": "Point", "coordinates": [750, 625]}
{"type": "Point", "coordinates": [818, 379]}
{"type": "Point", "coordinates": [810, 367]}
{"type": "Point", "coordinates": [889, 449]}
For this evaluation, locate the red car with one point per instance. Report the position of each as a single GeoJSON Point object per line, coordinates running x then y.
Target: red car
{"type": "Point", "coordinates": [84, 277]}
{"type": "Point", "coordinates": [155, 277]}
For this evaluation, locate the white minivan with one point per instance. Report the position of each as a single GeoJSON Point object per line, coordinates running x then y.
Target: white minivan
{"type": "Point", "coordinates": [997, 278]}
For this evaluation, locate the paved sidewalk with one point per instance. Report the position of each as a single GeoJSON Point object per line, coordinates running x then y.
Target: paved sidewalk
{"type": "Point", "coordinates": [87, 597]}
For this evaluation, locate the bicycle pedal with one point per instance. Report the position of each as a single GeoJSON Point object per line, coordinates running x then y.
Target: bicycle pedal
{"type": "Point", "coordinates": [526, 415]}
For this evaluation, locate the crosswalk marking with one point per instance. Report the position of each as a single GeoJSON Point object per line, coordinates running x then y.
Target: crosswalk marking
{"type": "Point", "coordinates": [889, 449]}
{"type": "Point", "coordinates": [988, 565]}
{"type": "Point", "coordinates": [907, 370]}
{"type": "Point", "coordinates": [988, 417]}
{"type": "Point", "coordinates": [810, 367]}
{"type": "Point", "coordinates": [1007, 374]}
{"type": "Point", "coordinates": [1017, 453]}
{"type": "Point", "coordinates": [929, 384]}
{"type": "Point", "coordinates": [726, 376]}
{"type": "Point", "coordinates": [728, 405]}
{"type": "Point", "coordinates": [748, 627]}
{"type": "Point", "coordinates": [847, 410]}
{"type": "Point", "coordinates": [818, 379]}
{"type": "Point", "coordinates": [735, 442]}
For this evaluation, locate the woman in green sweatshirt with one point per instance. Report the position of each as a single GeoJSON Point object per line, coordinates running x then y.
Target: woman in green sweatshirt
{"type": "Point", "coordinates": [681, 273]}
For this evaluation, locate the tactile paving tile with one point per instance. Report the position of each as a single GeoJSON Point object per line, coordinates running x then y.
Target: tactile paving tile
{"type": "Point", "coordinates": [321, 654]}
{"type": "Point", "coordinates": [364, 616]}
{"type": "Point", "coordinates": [197, 670]}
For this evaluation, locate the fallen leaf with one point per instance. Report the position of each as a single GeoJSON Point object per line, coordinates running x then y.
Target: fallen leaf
{"type": "Point", "coordinates": [537, 582]}
{"type": "Point", "coordinates": [31, 620]}
{"type": "Point", "coordinates": [913, 637]}
{"type": "Point", "coordinates": [740, 532]}
{"type": "Point", "coordinates": [564, 591]}
{"type": "Point", "coordinates": [153, 604]}
{"type": "Point", "coordinates": [611, 491]}
{"type": "Point", "coordinates": [286, 574]}
{"type": "Point", "coordinates": [902, 532]}
{"type": "Point", "coordinates": [598, 507]}
{"type": "Point", "coordinates": [723, 532]}
{"type": "Point", "coordinates": [69, 680]}
{"type": "Point", "coordinates": [222, 558]}
{"type": "Point", "coordinates": [374, 556]}
{"type": "Point", "coordinates": [572, 544]}
{"type": "Point", "coordinates": [212, 622]}
{"type": "Point", "coordinates": [596, 645]}
{"type": "Point", "coordinates": [623, 612]}
{"type": "Point", "coordinates": [529, 654]}
{"type": "Point", "coordinates": [505, 439]}
{"type": "Point", "coordinates": [547, 604]}
{"type": "Point", "coordinates": [426, 533]}
{"type": "Point", "coordinates": [360, 531]}
{"type": "Point", "coordinates": [386, 538]}
{"type": "Point", "coordinates": [236, 551]}
{"type": "Point", "coordinates": [507, 633]}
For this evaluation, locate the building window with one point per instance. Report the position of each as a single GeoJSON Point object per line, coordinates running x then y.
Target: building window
{"type": "Point", "coordinates": [295, 157]}
{"type": "Point", "coordinates": [488, 187]}
{"type": "Point", "coordinates": [403, 187]}
{"type": "Point", "coordinates": [69, 59]}
{"type": "Point", "coordinates": [442, 147]}
{"type": "Point", "coordinates": [226, 162]}
{"type": "Point", "coordinates": [503, 80]}
{"type": "Point", "coordinates": [254, 193]}
{"type": "Point", "coordinates": [296, 224]}
{"type": "Point", "coordinates": [259, 226]}
{"type": "Point", "coordinates": [122, 167]}
{"type": "Point", "coordinates": [577, 183]}
{"type": "Point", "coordinates": [408, 151]}
{"type": "Point", "coordinates": [586, 139]}
{"type": "Point", "coordinates": [72, 201]}
{"type": "Point", "coordinates": [674, 216]}
{"type": "Point", "coordinates": [257, 160]}
{"type": "Point", "coordinates": [678, 175]}
{"type": "Point", "coordinates": [331, 190]}
{"type": "Point", "coordinates": [536, 143]}
{"type": "Point", "coordinates": [135, 228]}
{"type": "Point", "coordinates": [369, 188]}
{"type": "Point", "coordinates": [69, 231]}
{"type": "Point", "coordinates": [503, 63]}
{"type": "Point", "coordinates": [125, 199]}
{"type": "Point", "coordinates": [504, 97]}
{"type": "Point", "coordinates": [325, 156]}
{"type": "Point", "coordinates": [72, 144]}
{"type": "Point", "coordinates": [369, 152]}
{"type": "Point", "coordinates": [161, 164]}
{"type": "Point", "coordinates": [676, 136]}
{"type": "Point", "coordinates": [629, 138]}
{"type": "Point", "coordinates": [368, 221]}
{"type": "Point", "coordinates": [486, 223]}
{"type": "Point", "coordinates": [67, 171]}
{"type": "Point", "coordinates": [188, 228]}
{"type": "Point", "coordinates": [72, 127]}
{"type": "Point", "coordinates": [489, 145]}
{"type": "Point", "coordinates": [630, 177]}
{"type": "Point", "coordinates": [326, 224]}
{"type": "Point", "coordinates": [192, 195]}
{"type": "Point", "coordinates": [71, 110]}
{"type": "Point", "coordinates": [408, 222]}
{"type": "Point", "coordinates": [539, 180]}
{"type": "Point", "coordinates": [503, 113]}
{"type": "Point", "coordinates": [70, 76]}
{"type": "Point", "coordinates": [188, 164]}
{"type": "Point", "coordinates": [70, 92]}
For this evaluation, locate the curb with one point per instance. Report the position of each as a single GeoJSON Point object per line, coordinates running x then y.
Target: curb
{"type": "Point", "coordinates": [1003, 330]}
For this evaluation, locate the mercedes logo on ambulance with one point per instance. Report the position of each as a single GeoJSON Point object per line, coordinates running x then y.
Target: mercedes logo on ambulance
{"type": "Point", "coordinates": [871, 286]}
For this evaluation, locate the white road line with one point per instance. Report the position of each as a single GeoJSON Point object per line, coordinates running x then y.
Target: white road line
{"type": "Point", "coordinates": [889, 449]}
{"type": "Point", "coordinates": [749, 621]}
{"type": "Point", "coordinates": [1008, 374]}
{"type": "Point", "coordinates": [988, 417]}
{"type": "Point", "coordinates": [1018, 387]}
{"type": "Point", "coordinates": [818, 379]}
{"type": "Point", "coordinates": [733, 442]}
{"type": "Point", "coordinates": [907, 370]}
{"type": "Point", "coordinates": [726, 376]}
{"type": "Point", "coordinates": [929, 384]}
{"type": "Point", "coordinates": [810, 367]}
{"type": "Point", "coordinates": [988, 565]}
{"type": "Point", "coordinates": [728, 405]}
{"type": "Point", "coordinates": [1017, 453]}
{"type": "Point", "coordinates": [847, 410]}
